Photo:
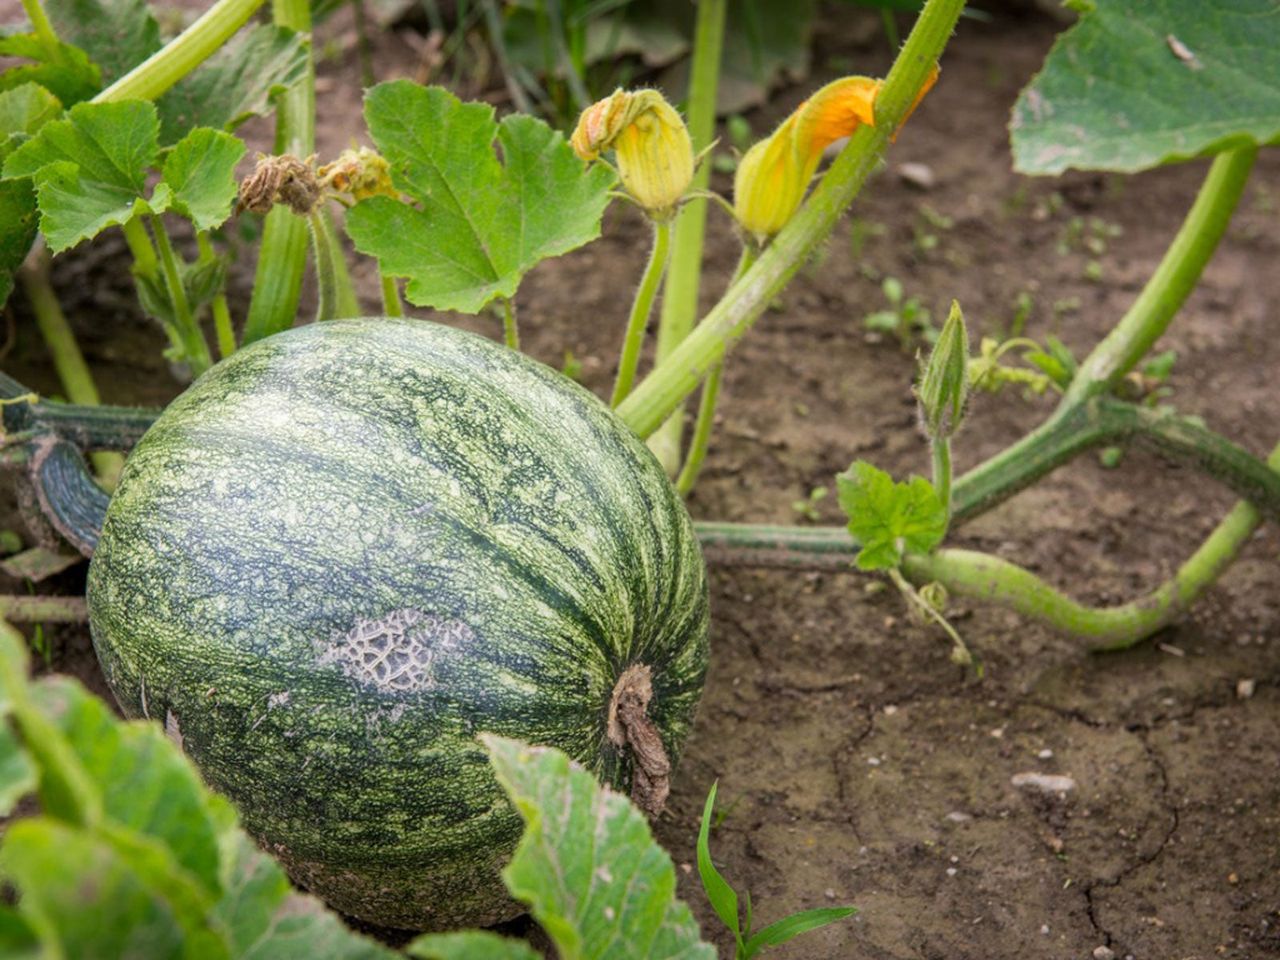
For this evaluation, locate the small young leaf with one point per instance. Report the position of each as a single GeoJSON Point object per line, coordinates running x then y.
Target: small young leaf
{"type": "Point", "coordinates": [482, 224]}
{"type": "Point", "coordinates": [90, 169]}
{"type": "Point", "coordinates": [587, 865]}
{"type": "Point", "coordinates": [116, 34]}
{"type": "Point", "coordinates": [1134, 85]}
{"type": "Point", "coordinates": [67, 72]}
{"type": "Point", "coordinates": [201, 172]}
{"type": "Point", "coordinates": [887, 518]}
{"type": "Point", "coordinates": [235, 83]}
{"type": "Point", "coordinates": [794, 925]}
{"type": "Point", "coordinates": [470, 945]}
{"type": "Point", "coordinates": [720, 895]}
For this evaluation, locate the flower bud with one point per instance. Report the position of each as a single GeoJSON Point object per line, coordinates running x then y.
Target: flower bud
{"type": "Point", "coordinates": [943, 392]}
{"type": "Point", "coordinates": [773, 176]}
{"type": "Point", "coordinates": [650, 142]}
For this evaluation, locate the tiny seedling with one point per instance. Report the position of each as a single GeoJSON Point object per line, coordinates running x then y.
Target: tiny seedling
{"type": "Point", "coordinates": [906, 318]}
{"type": "Point", "coordinates": [927, 226]}
{"type": "Point", "coordinates": [860, 231]}
{"type": "Point", "coordinates": [724, 901]}
{"type": "Point", "coordinates": [808, 506]}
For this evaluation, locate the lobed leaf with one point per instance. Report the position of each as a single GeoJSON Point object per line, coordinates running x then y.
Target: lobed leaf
{"type": "Point", "coordinates": [116, 34]}
{"type": "Point", "coordinates": [482, 224]}
{"type": "Point", "coordinates": [90, 169]}
{"type": "Point", "coordinates": [887, 518]}
{"type": "Point", "coordinates": [235, 83]}
{"type": "Point", "coordinates": [588, 866]}
{"type": "Point", "coordinates": [1134, 85]}
{"type": "Point", "coordinates": [201, 172]}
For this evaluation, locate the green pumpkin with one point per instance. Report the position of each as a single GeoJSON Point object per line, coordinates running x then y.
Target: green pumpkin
{"type": "Point", "coordinates": [352, 547]}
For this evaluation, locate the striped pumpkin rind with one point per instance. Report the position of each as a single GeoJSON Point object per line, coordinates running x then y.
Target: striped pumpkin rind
{"type": "Point", "coordinates": [352, 547]}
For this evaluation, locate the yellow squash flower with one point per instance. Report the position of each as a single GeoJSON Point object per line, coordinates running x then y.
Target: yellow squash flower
{"type": "Point", "coordinates": [650, 142]}
{"type": "Point", "coordinates": [774, 174]}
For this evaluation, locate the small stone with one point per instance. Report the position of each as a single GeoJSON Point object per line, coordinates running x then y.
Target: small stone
{"type": "Point", "coordinates": [873, 761]}
{"type": "Point", "coordinates": [1170, 649]}
{"type": "Point", "coordinates": [1044, 929]}
{"type": "Point", "coordinates": [1233, 878]}
{"type": "Point", "coordinates": [1103, 953]}
{"type": "Point", "coordinates": [1045, 754]}
{"type": "Point", "coordinates": [1044, 782]}
{"type": "Point", "coordinates": [1245, 688]}
{"type": "Point", "coordinates": [890, 710]}
{"type": "Point", "coordinates": [687, 867]}
{"type": "Point", "coordinates": [951, 871]}
{"type": "Point", "coordinates": [998, 733]}
{"type": "Point", "coordinates": [829, 893]}
{"type": "Point", "coordinates": [957, 816]}
{"type": "Point", "coordinates": [918, 175]}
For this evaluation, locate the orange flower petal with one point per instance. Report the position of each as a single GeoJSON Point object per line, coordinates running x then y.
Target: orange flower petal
{"type": "Point", "coordinates": [835, 111]}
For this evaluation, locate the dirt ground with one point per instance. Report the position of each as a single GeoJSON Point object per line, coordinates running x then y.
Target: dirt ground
{"type": "Point", "coordinates": [856, 764]}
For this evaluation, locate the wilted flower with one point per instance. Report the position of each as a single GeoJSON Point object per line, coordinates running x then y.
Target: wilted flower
{"type": "Point", "coordinates": [774, 174]}
{"type": "Point", "coordinates": [650, 142]}
{"type": "Point", "coordinates": [280, 179]}
{"type": "Point", "coordinates": [361, 172]}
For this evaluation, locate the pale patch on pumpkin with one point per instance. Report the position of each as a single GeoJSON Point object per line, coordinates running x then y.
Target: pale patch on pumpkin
{"type": "Point", "coordinates": [399, 652]}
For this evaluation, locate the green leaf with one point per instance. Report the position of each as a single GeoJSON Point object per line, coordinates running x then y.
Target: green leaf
{"type": "Point", "coordinates": [23, 111]}
{"type": "Point", "coordinates": [201, 172]}
{"type": "Point", "coordinates": [482, 224]}
{"type": "Point", "coordinates": [587, 865]}
{"type": "Point", "coordinates": [470, 945]}
{"type": "Point", "coordinates": [720, 895]}
{"type": "Point", "coordinates": [235, 83]}
{"type": "Point", "coordinates": [17, 772]}
{"type": "Point", "coordinates": [90, 169]}
{"type": "Point", "coordinates": [1134, 85]}
{"type": "Point", "coordinates": [145, 784]}
{"type": "Point", "coordinates": [17, 230]}
{"type": "Point", "coordinates": [87, 895]}
{"type": "Point", "coordinates": [794, 925]}
{"type": "Point", "coordinates": [67, 72]}
{"type": "Point", "coordinates": [17, 940]}
{"type": "Point", "coordinates": [266, 919]}
{"type": "Point", "coordinates": [887, 518]}
{"type": "Point", "coordinates": [116, 34]}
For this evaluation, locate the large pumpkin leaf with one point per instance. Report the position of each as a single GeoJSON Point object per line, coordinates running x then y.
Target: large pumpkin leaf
{"type": "Point", "coordinates": [134, 857]}
{"type": "Point", "coordinates": [116, 34]}
{"type": "Point", "coordinates": [482, 224]}
{"type": "Point", "coordinates": [587, 865]}
{"type": "Point", "coordinates": [235, 83]}
{"type": "Point", "coordinates": [1133, 85]}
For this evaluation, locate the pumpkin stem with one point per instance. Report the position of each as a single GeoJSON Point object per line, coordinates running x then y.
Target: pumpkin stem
{"type": "Point", "coordinates": [630, 726]}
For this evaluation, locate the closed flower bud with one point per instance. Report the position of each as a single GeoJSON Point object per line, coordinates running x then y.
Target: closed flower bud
{"type": "Point", "coordinates": [651, 146]}
{"type": "Point", "coordinates": [943, 392]}
{"type": "Point", "coordinates": [773, 176]}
